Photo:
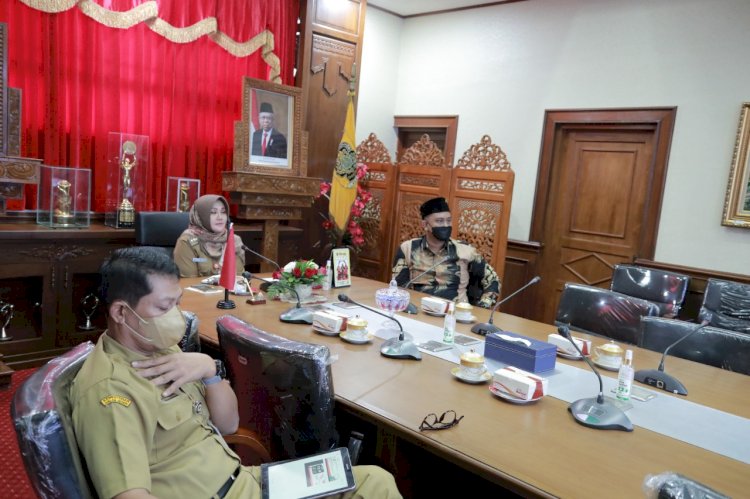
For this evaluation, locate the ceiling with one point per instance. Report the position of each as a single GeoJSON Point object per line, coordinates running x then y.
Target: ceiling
{"type": "Point", "coordinates": [407, 8]}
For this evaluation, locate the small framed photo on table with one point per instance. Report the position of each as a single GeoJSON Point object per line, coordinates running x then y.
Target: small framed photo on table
{"type": "Point", "coordinates": [342, 267]}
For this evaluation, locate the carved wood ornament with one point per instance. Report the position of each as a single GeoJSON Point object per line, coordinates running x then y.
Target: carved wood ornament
{"type": "Point", "coordinates": [484, 156]}
{"type": "Point", "coordinates": [372, 150]}
{"type": "Point", "coordinates": [424, 152]}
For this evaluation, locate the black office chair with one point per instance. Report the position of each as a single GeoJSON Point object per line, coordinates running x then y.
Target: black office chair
{"type": "Point", "coordinates": [160, 228]}
{"type": "Point", "coordinates": [712, 346]}
{"type": "Point", "coordinates": [726, 304]}
{"type": "Point", "coordinates": [665, 289]}
{"type": "Point", "coordinates": [285, 390]}
{"type": "Point", "coordinates": [602, 312]}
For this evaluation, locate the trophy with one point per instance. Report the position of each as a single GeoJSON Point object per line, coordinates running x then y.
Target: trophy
{"type": "Point", "coordinates": [184, 204]}
{"type": "Point", "coordinates": [62, 204]}
{"type": "Point", "coordinates": [89, 304]}
{"type": "Point", "coordinates": [6, 314]}
{"type": "Point", "coordinates": [128, 161]}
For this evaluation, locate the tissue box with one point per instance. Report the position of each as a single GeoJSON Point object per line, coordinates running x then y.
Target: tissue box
{"type": "Point", "coordinates": [519, 383]}
{"type": "Point", "coordinates": [520, 351]}
{"type": "Point", "coordinates": [327, 322]}
{"type": "Point", "coordinates": [564, 345]}
{"type": "Point", "coordinates": [434, 305]}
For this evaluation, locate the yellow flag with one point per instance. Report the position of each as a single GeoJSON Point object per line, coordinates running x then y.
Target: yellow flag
{"type": "Point", "coordinates": [344, 181]}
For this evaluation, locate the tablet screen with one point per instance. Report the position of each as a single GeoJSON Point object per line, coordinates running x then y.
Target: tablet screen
{"type": "Point", "coordinates": [308, 477]}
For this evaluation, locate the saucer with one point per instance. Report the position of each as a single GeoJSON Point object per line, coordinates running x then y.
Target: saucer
{"type": "Point", "coordinates": [458, 373]}
{"type": "Point", "coordinates": [605, 366]}
{"type": "Point", "coordinates": [325, 332]}
{"type": "Point", "coordinates": [357, 341]}
{"type": "Point", "coordinates": [433, 313]}
{"type": "Point", "coordinates": [473, 318]}
{"type": "Point", "coordinates": [569, 356]}
{"type": "Point", "coordinates": [509, 398]}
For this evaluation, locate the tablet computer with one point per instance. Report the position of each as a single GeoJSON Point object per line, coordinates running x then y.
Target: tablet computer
{"type": "Point", "coordinates": [319, 475]}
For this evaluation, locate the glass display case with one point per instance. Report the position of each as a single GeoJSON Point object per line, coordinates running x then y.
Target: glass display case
{"type": "Point", "coordinates": [64, 197]}
{"type": "Point", "coordinates": [182, 193]}
{"type": "Point", "coordinates": [127, 173]}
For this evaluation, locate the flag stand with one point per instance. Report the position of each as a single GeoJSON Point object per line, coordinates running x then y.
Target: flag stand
{"type": "Point", "coordinates": [226, 303]}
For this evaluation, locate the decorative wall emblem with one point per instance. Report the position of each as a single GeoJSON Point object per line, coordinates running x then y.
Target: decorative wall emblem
{"type": "Point", "coordinates": [484, 156]}
{"type": "Point", "coordinates": [423, 152]}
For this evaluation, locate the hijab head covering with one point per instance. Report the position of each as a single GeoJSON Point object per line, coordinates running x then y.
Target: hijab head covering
{"type": "Point", "coordinates": [200, 225]}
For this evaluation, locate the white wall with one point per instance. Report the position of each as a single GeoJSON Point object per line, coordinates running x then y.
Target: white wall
{"type": "Point", "coordinates": [500, 67]}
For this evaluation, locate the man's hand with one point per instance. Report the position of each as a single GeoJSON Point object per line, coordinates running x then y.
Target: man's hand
{"type": "Point", "coordinates": [176, 369]}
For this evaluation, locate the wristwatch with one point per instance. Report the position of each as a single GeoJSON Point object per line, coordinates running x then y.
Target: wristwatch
{"type": "Point", "coordinates": [221, 373]}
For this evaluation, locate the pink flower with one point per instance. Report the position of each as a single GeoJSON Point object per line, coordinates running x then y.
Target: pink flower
{"type": "Point", "coordinates": [361, 171]}
{"type": "Point", "coordinates": [325, 188]}
{"type": "Point", "coordinates": [358, 240]}
{"type": "Point", "coordinates": [276, 274]}
{"type": "Point", "coordinates": [327, 224]}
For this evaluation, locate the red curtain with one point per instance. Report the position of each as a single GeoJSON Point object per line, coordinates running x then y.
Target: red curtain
{"type": "Point", "coordinates": [82, 80]}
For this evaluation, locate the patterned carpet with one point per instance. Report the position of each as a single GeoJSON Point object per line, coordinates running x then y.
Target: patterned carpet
{"type": "Point", "coordinates": [13, 480]}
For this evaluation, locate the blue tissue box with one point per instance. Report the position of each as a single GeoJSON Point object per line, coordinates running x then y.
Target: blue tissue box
{"type": "Point", "coordinates": [520, 351]}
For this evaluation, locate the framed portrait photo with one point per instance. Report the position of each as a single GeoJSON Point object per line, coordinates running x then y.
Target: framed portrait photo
{"type": "Point", "coordinates": [269, 137]}
{"type": "Point", "coordinates": [737, 201]}
{"type": "Point", "coordinates": [342, 267]}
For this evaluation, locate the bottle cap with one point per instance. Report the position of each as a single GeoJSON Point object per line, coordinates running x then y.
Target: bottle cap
{"type": "Point", "coordinates": [628, 355]}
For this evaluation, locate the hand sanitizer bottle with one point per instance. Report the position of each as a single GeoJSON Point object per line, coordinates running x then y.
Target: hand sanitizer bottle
{"type": "Point", "coordinates": [329, 275]}
{"type": "Point", "coordinates": [625, 377]}
{"type": "Point", "coordinates": [449, 327]}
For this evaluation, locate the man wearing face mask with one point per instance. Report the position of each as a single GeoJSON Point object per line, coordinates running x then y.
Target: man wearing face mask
{"type": "Point", "coordinates": [148, 417]}
{"type": "Point", "coordinates": [461, 273]}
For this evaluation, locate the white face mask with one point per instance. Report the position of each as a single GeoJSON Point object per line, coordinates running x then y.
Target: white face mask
{"type": "Point", "coordinates": [163, 331]}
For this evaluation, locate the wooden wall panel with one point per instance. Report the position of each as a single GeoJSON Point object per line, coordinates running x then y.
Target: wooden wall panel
{"type": "Point", "coordinates": [520, 268]}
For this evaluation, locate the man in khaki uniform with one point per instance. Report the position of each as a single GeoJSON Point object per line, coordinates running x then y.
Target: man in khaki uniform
{"type": "Point", "coordinates": [148, 418]}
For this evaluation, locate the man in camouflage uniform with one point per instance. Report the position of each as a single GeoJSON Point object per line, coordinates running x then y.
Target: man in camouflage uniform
{"type": "Point", "coordinates": [461, 273]}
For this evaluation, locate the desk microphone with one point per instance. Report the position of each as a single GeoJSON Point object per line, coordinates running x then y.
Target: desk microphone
{"type": "Point", "coordinates": [485, 328]}
{"type": "Point", "coordinates": [278, 267]}
{"type": "Point", "coordinates": [658, 378]}
{"type": "Point", "coordinates": [596, 412]}
{"type": "Point", "coordinates": [412, 309]}
{"type": "Point", "coordinates": [396, 348]}
{"type": "Point", "coordinates": [295, 315]}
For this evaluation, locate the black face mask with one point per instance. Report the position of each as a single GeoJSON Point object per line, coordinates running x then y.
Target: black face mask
{"type": "Point", "coordinates": [442, 233]}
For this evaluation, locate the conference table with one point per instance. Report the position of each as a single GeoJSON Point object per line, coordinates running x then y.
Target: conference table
{"type": "Point", "coordinates": [535, 450]}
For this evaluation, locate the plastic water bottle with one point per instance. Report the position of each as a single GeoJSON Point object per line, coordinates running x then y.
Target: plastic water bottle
{"type": "Point", "coordinates": [329, 275]}
{"type": "Point", "coordinates": [449, 327]}
{"type": "Point", "coordinates": [625, 377]}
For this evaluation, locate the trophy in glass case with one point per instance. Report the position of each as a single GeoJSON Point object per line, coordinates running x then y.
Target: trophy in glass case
{"type": "Point", "coordinates": [62, 215]}
{"type": "Point", "coordinates": [63, 197]}
{"type": "Point", "coordinates": [182, 193]}
{"type": "Point", "coordinates": [128, 161]}
{"type": "Point", "coordinates": [6, 314]}
{"type": "Point", "coordinates": [89, 305]}
{"type": "Point", "coordinates": [184, 199]}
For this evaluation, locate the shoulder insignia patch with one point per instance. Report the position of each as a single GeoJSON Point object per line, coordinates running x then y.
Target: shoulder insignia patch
{"type": "Point", "coordinates": [117, 399]}
{"type": "Point", "coordinates": [193, 241]}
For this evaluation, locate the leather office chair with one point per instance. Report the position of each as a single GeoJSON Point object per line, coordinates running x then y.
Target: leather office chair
{"type": "Point", "coordinates": [160, 228]}
{"type": "Point", "coordinates": [726, 304]}
{"type": "Point", "coordinates": [602, 312]}
{"type": "Point", "coordinates": [285, 388]}
{"type": "Point", "coordinates": [712, 346]}
{"type": "Point", "coordinates": [665, 289]}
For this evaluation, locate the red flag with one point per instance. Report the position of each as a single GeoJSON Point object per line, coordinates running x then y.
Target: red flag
{"type": "Point", "coordinates": [254, 120]}
{"type": "Point", "coordinates": [229, 263]}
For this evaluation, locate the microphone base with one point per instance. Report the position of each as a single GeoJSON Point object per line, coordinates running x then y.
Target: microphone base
{"type": "Point", "coordinates": [485, 328]}
{"type": "Point", "coordinates": [661, 380]}
{"type": "Point", "coordinates": [400, 349]}
{"type": "Point", "coordinates": [297, 315]}
{"type": "Point", "coordinates": [411, 309]}
{"type": "Point", "coordinates": [600, 416]}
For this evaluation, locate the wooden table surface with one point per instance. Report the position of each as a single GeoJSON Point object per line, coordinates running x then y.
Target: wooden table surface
{"type": "Point", "coordinates": [538, 448]}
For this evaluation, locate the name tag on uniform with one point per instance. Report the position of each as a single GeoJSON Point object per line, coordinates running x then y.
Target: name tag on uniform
{"type": "Point", "coordinates": [199, 260]}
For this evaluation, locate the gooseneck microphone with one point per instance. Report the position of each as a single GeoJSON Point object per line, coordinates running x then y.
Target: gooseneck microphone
{"type": "Point", "coordinates": [595, 412]}
{"type": "Point", "coordinates": [485, 328]}
{"type": "Point", "coordinates": [412, 309]}
{"type": "Point", "coordinates": [396, 348]}
{"type": "Point", "coordinates": [278, 267]}
{"type": "Point", "coordinates": [658, 378]}
{"type": "Point", "coordinates": [295, 315]}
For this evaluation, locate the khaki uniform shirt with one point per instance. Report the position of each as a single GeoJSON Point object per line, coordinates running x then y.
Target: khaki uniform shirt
{"type": "Point", "coordinates": [194, 262]}
{"type": "Point", "coordinates": [464, 267]}
{"type": "Point", "coordinates": [132, 438]}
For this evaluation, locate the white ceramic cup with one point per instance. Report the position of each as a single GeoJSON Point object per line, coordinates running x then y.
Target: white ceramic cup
{"type": "Point", "coordinates": [463, 311]}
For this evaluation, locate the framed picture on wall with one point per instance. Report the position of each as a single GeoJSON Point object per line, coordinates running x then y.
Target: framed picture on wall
{"type": "Point", "coordinates": [737, 201]}
{"type": "Point", "coordinates": [342, 267]}
{"type": "Point", "coordinates": [268, 139]}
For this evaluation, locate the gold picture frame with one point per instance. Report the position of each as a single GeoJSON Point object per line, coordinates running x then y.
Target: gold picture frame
{"type": "Point", "coordinates": [737, 201]}
{"type": "Point", "coordinates": [255, 154]}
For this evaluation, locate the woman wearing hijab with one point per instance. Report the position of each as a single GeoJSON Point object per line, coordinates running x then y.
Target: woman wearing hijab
{"type": "Point", "coordinates": [199, 251]}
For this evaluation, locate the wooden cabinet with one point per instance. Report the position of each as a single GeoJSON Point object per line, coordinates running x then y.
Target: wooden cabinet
{"type": "Point", "coordinates": [46, 274]}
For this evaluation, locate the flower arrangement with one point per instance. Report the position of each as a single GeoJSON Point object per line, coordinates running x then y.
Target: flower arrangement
{"type": "Point", "coordinates": [304, 272]}
{"type": "Point", "coordinates": [352, 236]}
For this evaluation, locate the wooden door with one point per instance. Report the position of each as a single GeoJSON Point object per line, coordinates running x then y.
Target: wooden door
{"type": "Point", "coordinates": [601, 191]}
